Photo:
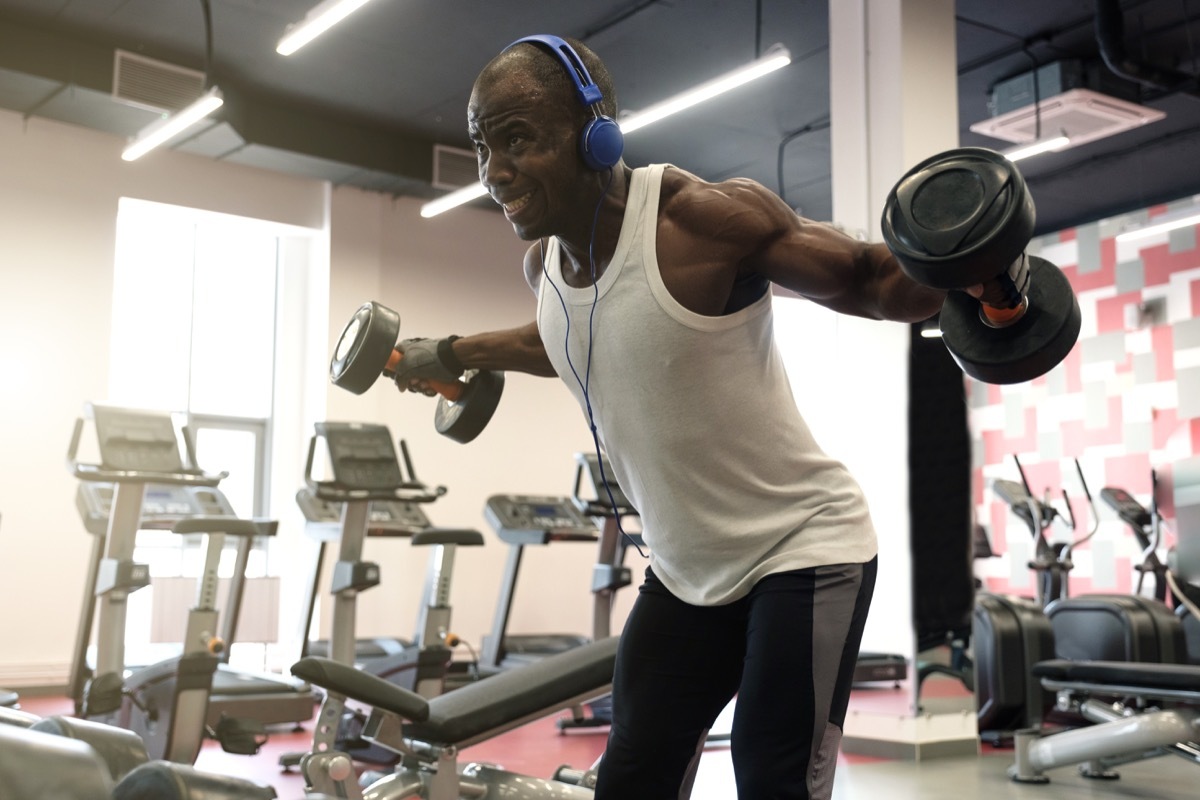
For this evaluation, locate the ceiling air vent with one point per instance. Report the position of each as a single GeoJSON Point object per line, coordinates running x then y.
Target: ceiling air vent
{"type": "Point", "coordinates": [1081, 114]}
{"type": "Point", "coordinates": [453, 167]}
{"type": "Point", "coordinates": [155, 85]}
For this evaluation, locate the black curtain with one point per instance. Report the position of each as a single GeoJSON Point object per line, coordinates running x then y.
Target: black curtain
{"type": "Point", "coordinates": [939, 465]}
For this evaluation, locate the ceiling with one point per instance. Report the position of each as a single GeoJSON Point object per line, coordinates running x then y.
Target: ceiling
{"type": "Point", "coordinates": [365, 104]}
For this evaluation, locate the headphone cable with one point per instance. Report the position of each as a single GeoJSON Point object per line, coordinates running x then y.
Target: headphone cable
{"type": "Point", "coordinates": [584, 383]}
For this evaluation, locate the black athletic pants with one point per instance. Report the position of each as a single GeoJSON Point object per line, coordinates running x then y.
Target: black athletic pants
{"type": "Point", "coordinates": [787, 651]}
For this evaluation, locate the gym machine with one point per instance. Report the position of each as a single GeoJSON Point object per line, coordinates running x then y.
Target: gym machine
{"type": "Point", "coordinates": [429, 733]}
{"type": "Point", "coordinates": [1051, 561]}
{"type": "Point", "coordinates": [370, 493]}
{"type": "Point", "coordinates": [68, 759]}
{"type": "Point", "coordinates": [1137, 711]}
{"type": "Point", "coordinates": [142, 480]}
{"type": "Point", "coordinates": [1170, 579]}
{"type": "Point", "coordinates": [593, 513]}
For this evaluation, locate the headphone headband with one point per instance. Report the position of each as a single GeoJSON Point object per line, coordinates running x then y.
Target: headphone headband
{"type": "Point", "coordinates": [585, 88]}
{"type": "Point", "coordinates": [600, 141]}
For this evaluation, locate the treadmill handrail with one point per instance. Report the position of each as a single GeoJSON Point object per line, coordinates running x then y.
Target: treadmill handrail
{"type": "Point", "coordinates": [96, 473]}
{"type": "Point", "coordinates": [405, 492]}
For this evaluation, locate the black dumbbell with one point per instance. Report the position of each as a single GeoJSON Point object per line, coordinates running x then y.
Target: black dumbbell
{"type": "Point", "coordinates": [963, 218]}
{"type": "Point", "coordinates": [367, 349]}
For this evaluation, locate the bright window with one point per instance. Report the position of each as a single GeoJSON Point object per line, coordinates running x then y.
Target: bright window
{"type": "Point", "coordinates": [194, 299]}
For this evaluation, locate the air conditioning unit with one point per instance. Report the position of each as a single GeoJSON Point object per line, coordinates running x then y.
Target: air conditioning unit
{"type": "Point", "coordinates": [152, 84]}
{"type": "Point", "coordinates": [453, 167]}
{"type": "Point", "coordinates": [1083, 103]}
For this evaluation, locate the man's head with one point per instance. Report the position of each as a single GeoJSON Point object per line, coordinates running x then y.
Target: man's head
{"type": "Point", "coordinates": [525, 118]}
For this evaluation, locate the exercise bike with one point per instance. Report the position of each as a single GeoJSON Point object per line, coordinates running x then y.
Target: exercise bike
{"type": "Point", "coordinates": [367, 483]}
{"type": "Point", "coordinates": [142, 473]}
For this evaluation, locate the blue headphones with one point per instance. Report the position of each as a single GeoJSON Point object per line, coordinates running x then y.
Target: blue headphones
{"type": "Point", "coordinates": [600, 141]}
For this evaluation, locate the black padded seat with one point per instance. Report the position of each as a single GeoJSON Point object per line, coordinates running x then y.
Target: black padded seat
{"type": "Point", "coordinates": [466, 537]}
{"type": "Point", "coordinates": [476, 708]}
{"type": "Point", "coordinates": [1132, 675]}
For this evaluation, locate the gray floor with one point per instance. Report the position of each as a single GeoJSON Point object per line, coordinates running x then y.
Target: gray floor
{"type": "Point", "coordinates": [1168, 778]}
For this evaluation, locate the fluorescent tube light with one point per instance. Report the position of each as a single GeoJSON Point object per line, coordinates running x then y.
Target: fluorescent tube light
{"type": "Point", "coordinates": [319, 19]}
{"type": "Point", "coordinates": [1191, 217]}
{"type": "Point", "coordinates": [163, 130]}
{"type": "Point", "coordinates": [1037, 148]}
{"type": "Point", "coordinates": [775, 58]}
{"type": "Point", "coordinates": [453, 200]}
{"type": "Point", "coordinates": [930, 330]}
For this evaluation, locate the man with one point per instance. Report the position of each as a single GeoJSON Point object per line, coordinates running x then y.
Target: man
{"type": "Point", "coordinates": [654, 305]}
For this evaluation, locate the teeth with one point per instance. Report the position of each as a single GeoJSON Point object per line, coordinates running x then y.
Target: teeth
{"type": "Point", "coordinates": [516, 205]}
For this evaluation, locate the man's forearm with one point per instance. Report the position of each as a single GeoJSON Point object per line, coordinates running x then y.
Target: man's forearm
{"type": "Point", "coordinates": [516, 349]}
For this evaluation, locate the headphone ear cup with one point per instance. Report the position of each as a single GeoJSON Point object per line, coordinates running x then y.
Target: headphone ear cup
{"type": "Point", "coordinates": [601, 143]}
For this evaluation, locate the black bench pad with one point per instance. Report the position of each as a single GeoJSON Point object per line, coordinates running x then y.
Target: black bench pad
{"type": "Point", "coordinates": [1121, 673]}
{"type": "Point", "coordinates": [479, 707]}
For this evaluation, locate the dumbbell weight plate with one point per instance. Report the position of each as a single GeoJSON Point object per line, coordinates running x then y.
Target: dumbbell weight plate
{"type": "Point", "coordinates": [465, 418]}
{"type": "Point", "coordinates": [959, 218]}
{"type": "Point", "coordinates": [1030, 347]}
{"type": "Point", "coordinates": [364, 347]}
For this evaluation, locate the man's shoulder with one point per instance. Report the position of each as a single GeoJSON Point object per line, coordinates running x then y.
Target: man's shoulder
{"type": "Point", "coordinates": [683, 194]}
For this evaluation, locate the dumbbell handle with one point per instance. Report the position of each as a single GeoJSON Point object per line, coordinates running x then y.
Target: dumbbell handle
{"type": "Point", "coordinates": [1004, 298]}
{"type": "Point", "coordinates": [451, 390]}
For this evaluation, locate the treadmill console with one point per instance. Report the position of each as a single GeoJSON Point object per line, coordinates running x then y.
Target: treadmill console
{"type": "Point", "coordinates": [600, 481]}
{"type": "Point", "coordinates": [528, 519]}
{"type": "Point", "coordinates": [362, 455]}
{"type": "Point", "coordinates": [384, 517]}
{"type": "Point", "coordinates": [162, 505]}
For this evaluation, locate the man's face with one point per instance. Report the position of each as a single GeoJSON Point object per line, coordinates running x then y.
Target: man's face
{"type": "Point", "coordinates": [526, 146]}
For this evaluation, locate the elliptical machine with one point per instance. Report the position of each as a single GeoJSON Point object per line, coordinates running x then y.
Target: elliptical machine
{"type": "Point", "coordinates": [1173, 579]}
{"type": "Point", "coordinates": [1051, 562]}
{"type": "Point", "coordinates": [167, 703]}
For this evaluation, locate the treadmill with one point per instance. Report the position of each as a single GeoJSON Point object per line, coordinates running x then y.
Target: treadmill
{"type": "Point", "coordinates": [130, 456]}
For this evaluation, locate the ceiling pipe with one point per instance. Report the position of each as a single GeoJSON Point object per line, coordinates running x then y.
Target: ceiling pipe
{"type": "Point", "coordinates": [1110, 37]}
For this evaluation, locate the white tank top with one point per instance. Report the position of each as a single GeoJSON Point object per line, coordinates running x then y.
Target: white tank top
{"type": "Point", "coordinates": [698, 420]}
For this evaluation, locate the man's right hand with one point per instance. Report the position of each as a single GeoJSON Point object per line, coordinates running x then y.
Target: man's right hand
{"type": "Point", "coordinates": [425, 360]}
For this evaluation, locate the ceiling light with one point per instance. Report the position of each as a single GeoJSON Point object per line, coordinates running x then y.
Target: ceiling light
{"type": "Point", "coordinates": [456, 198]}
{"type": "Point", "coordinates": [1162, 225]}
{"type": "Point", "coordinates": [931, 330]}
{"type": "Point", "coordinates": [163, 130]}
{"type": "Point", "coordinates": [1036, 148]}
{"type": "Point", "coordinates": [319, 19]}
{"type": "Point", "coordinates": [775, 58]}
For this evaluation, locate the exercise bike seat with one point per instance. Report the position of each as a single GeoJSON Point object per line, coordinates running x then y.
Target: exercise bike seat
{"type": "Point", "coordinates": [478, 710]}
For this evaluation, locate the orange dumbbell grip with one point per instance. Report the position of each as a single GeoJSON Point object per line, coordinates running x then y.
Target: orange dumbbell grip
{"type": "Point", "coordinates": [451, 390]}
{"type": "Point", "coordinates": [1002, 315]}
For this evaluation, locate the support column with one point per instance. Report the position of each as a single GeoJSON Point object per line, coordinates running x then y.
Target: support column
{"type": "Point", "coordinates": [893, 102]}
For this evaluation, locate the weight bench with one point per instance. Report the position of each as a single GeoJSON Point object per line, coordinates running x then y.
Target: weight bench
{"type": "Point", "coordinates": [428, 733]}
{"type": "Point", "coordinates": [1139, 711]}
